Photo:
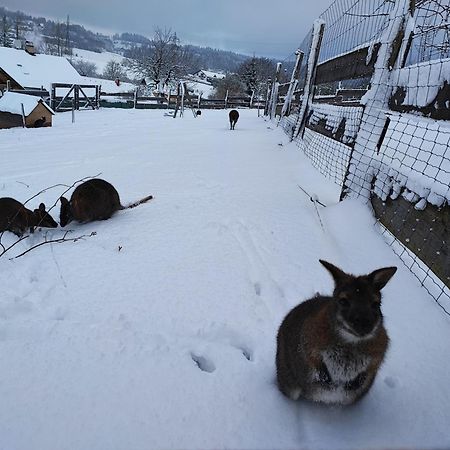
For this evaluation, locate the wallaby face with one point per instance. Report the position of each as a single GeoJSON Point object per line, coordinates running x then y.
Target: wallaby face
{"type": "Point", "coordinates": [15, 217]}
{"type": "Point", "coordinates": [329, 349]}
{"type": "Point", "coordinates": [234, 116]}
{"type": "Point", "coordinates": [65, 214]}
{"type": "Point", "coordinates": [358, 299]}
{"type": "Point", "coordinates": [43, 218]}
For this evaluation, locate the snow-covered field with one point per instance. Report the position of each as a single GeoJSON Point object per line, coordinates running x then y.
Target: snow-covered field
{"type": "Point", "coordinates": [170, 342]}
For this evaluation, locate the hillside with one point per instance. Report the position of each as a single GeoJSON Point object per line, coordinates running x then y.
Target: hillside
{"type": "Point", "coordinates": [61, 37]}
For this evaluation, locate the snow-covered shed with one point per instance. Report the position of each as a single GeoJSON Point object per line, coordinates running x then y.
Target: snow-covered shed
{"type": "Point", "coordinates": [37, 113]}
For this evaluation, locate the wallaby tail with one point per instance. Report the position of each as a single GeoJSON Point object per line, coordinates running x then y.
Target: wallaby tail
{"type": "Point", "coordinates": [139, 202]}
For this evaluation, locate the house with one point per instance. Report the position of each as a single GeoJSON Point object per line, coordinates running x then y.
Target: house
{"type": "Point", "coordinates": [207, 75]}
{"type": "Point", "coordinates": [36, 112]}
{"type": "Point", "coordinates": [38, 72]}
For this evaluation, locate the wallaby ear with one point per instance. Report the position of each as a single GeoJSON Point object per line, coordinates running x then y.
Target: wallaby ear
{"type": "Point", "coordinates": [63, 201]}
{"type": "Point", "coordinates": [380, 277]}
{"type": "Point", "coordinates": [337, 274]}
{"type": "Point", "coordinates": [42, 207]}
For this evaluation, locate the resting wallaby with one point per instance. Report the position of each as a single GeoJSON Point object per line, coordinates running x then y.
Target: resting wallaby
{"type": "Point", "coordinates": [94, 199]}
{"type": "Point", "coordinates": [39, 122]}
{"type": "Point", "coordinates": [234, 116]}
{"type": "Point", "coordinates": [16, 218]}
{"type": "Point", "coordinates": [329, 349]}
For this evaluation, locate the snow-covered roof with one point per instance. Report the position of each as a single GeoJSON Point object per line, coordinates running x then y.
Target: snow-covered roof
{"type": "Point", "coordinates": [39, 70]}
{"type": "Point", "coordinates": [210, 74]}
{"type": "Point", "coordinates": [43, 70]}
{"type": "Point", "coordinates": [12, 102]}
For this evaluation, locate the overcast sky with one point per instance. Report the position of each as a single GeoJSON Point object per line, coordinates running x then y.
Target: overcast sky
{"type": "Point", "coordinates": [264, 27]}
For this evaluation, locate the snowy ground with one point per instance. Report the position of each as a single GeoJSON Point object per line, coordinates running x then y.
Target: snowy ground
{"type": "Point", "coordinates": [170, 342]}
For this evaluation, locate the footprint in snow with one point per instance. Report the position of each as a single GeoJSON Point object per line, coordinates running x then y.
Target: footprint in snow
{"type": "Point", "coordinates": [203, 363]}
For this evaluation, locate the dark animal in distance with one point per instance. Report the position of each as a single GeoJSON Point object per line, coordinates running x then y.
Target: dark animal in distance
{"type": "Point", "coordinates": [198, 112]}
{"type": "Point", "coordinates": [234, 116]}
{"type": "Point", "coordinates": [15, 217]}
{"type": "Point", "coordinates": [94, 199]}
{"type": "Point", "coordinates": [39, 122]}
{"type": "Point", "coordinates": [329, 349]}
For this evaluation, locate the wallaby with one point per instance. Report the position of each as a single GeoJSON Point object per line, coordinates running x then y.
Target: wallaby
{"type": "Point", "coordinates": [94, 199]}
{"type": "Point", "coordinates": [329, 349]}
{"type": "Point", "coordinates": [234, 116]}
{"type": "Point", "coordinates": [39, 122]}
{"type": "Point", "coordinates": [16, 218]}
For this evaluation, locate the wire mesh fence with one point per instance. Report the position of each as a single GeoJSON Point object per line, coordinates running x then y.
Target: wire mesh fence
{"type": "Point", "coordinates": [377, 121]}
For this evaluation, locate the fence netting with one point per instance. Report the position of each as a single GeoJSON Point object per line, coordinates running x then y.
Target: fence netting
{"type": "Point", "coordinates": [377, 121]}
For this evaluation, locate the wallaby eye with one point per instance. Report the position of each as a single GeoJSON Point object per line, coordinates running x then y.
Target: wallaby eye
{"type": "Point", "coordinates": [343, 301]}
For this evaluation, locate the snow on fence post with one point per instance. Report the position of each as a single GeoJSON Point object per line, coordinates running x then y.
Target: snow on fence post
{"type": "Point", "coordinates": [8, 85]}
{"type": "Point", "coordinates": [250, 104]}
{"type": "Point", "coordinates": [359, 176]}
{"type": "Point", "coordinates": [308, 92]}
{"type": "Point", "coordinates": [274, 95]}
{"type": "Point", "coordinates": [199, 100]}
{"type": "Point", "coordinates": [226, 100]}
{"type": "Point", "coordinates": [293, 83]}
{"type": "Point", "coordinates": [73, 110]}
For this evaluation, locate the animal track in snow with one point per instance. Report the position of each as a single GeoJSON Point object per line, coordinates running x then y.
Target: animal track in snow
{"type": "Point", "coordinates": [203, 363]}
{"type": "Point", "coordinates": [224, 335]}
{"type": "Point", "coordinates": [260, 273]}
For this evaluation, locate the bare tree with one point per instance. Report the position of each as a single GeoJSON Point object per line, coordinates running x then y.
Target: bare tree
{"type": "Point", "coordinates": [254, 73]}
{"type": "Point", "coordinates": [85, 68]}
{"type": "Point", "coordinates": [231, 84]}
{"type": "Point", "coordinates": [114, 70]}
{"type": "Point", "coordinates": [164, 60]}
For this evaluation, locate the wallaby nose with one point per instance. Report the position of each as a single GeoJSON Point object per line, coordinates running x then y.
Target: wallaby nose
{"type": "Point", "coordinates": [363, 325]}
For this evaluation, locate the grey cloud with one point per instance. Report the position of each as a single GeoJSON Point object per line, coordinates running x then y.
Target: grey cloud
{"type": "Point", "coordinates": [264, 27]}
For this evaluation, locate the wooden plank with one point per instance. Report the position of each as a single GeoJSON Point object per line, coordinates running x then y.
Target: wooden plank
{"type": "Point", "coordinates": [349, 66]}
{"type": "Point", "coordinates": [426, 233]}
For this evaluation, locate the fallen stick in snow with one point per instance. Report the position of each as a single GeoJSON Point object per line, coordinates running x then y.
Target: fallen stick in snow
{"type": "Point", "coordinates": [55, 241]}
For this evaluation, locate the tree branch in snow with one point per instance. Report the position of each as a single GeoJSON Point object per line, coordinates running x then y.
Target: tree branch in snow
{"type": "Point", "coordinates": [55, 241]}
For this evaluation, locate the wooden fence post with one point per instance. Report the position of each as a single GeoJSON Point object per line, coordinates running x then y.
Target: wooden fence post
{"type": "Point", "coordinates": [182, 99]}
{"type": "Point", "coordinates": [76, 94]}
{"type": "Point", "coordinates": [53, 97]}
{"type": "Point", "coordinates": [177, 104]}
{"type": "Point", "coordinates": [266, 104]}
{"type": "Point", "coordinates": [97, 95]}
{"type": "Point", "coordinates": [274, 95]}
{"type": "Point", "coordinates": [308, 92]}
{"type": "Point", "coordinates": [293, 84]}
{"type": "Point", "coordinates": [135, 98]}
{"type": "Point", "coordinates": [226, 100]}
{"type": "Point", "coordinates": [23, 116]}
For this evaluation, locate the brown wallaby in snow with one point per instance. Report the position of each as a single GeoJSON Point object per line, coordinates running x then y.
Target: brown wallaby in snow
{"type": "Point", "coordinates": [329, 349]}
{"type": "Point", "coordinates": [16, 218]}
{"type": "Point", "coordinates": [94, 199]}
{"type": "Point", "coordinates": [234, 116]}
